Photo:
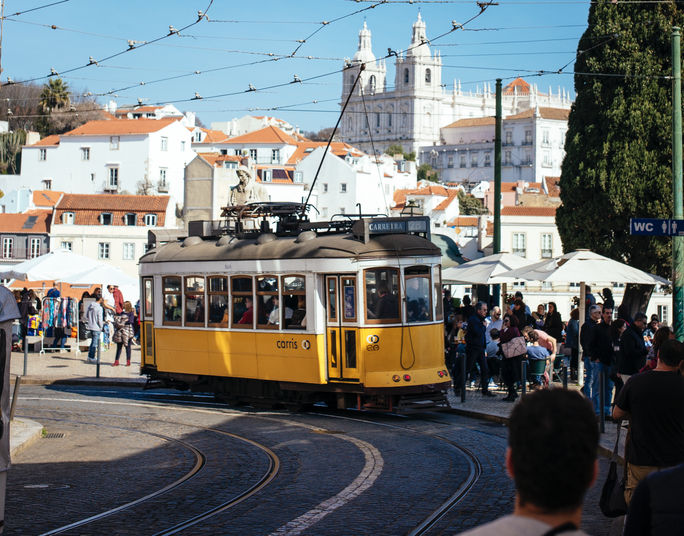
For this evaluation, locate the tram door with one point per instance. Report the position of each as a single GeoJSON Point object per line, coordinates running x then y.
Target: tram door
{"type": "Point", "coordinates": [342, 311]}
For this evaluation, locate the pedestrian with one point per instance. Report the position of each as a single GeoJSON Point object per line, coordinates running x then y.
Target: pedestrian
{"type": "Point", "coordinates": [654, 404]}
{"type": "Point", "coordinates": [494, 321]}
{"type": "Point", "coordinates": [539, 316]}
{"type": "Point", "coordinates": [448, 306]}
{"type": "Point", "coordinates": [656, 506]}
{"type": "Point", "coordinates": [553, 324]}
{"type": "Point", "coordinates": [589, 300]}
{"type": "Point", "coordinates": [118, 299]}
{"type": "Point", "coordinates": [572, 342]}
{"type": "Point", "coordinates": [603, 345]}
{"type": "Point", "coordinates": [661, 335]}
{"type": "Point", "coordinates": [95, 324]}
{"type": "Point", "coordinates": [536, 352]}
{"type": "Point", "coordinates": [607, 297]}
{"type": "Point", "coordinates": [632, 348]}
{"type": "Point", "coordinates": [551, 457]}
{"type": "Point", "coordinates": [494, 354]}
{"type": "Point", "coordinates": [467, 310]}
{"type": "Point", "coordinates": [519, 311]}
{"type": "Point", "coordinates": [54, 292]}
{"type": "Point", "coordinates": [123, 333]}
{"type": "Point", "coordinates": [475, 348]}
{"type": "Point", "coordinates": [26, 309]}
{"type": "Point", "coordinates": [618, 327]}
{"type": "Point", "coordinates": [510, 365]}
{"type": "Point", "coordinates": [651, 329]}
{"type": "Point", "coordinates": [592, 365]}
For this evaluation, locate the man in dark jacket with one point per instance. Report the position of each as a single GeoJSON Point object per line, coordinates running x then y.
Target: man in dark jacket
{"type": "Point", "coordinates": [475, 348]}
{"type": "Point", "coordinates": [603, 348]}
{"type": "Point", "coordinates": [632, 348]}
{"type": "Point", "coordinates": [26, 309]}
{"type": "Point", "coordinates": [592, 365]}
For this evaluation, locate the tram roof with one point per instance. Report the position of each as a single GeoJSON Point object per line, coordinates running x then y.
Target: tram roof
{"type": "Point", "coordinates": [308, 245]}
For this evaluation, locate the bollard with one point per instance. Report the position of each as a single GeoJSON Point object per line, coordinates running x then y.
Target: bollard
{"type": "Point", "coordinates": [565, 376]}
{"type": "Point", "coordinates": [524, 376]}
{"type": "Point", "coordinates": [99, 350]}
{"type": "Point", "coordinates": [26, 353]}
{"type": "Point", "coordinates": [463, 377]}
{"type": "Point", "coordinates": [602, 398]}
{"type": "Point", "coordinates": [15, 394]}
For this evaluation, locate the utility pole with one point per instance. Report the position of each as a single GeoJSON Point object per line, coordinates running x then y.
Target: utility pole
{"type": "Point", "coordinates": [678, 209]}
{"type": "Point", "coordinates": [2, 22]}
{"type": "Point", "coordinates": [497, 184]}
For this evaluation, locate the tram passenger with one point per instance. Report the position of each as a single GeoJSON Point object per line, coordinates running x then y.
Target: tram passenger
{"type": "Point", "coordinates": [248, 316]}
{"type": "Point", "coordinates": [387, 305]}
{"type": "Point", "coordinates": [274, 316]}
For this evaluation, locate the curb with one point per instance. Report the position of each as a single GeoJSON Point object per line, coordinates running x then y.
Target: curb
{"type": "Point", "coordinates": [33, 434]}
{"type": "Point", "coordinates": [104, 382]}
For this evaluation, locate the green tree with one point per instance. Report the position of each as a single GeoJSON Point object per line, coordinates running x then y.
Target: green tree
{"type": "Point", "coordinates": [618, 144]}
{"type": "Point", "coordinates": [426, 173]}
{"type": "Point", "coordinates": [55, 95]}
{"type": "Point", "coordinates": [469, 204]}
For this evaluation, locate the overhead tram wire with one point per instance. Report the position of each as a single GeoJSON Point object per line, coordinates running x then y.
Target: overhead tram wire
{"type": "Point", "coordinates": [362, 67]}
{"type": "Point", "coordinates": [375, 154]}
{"type": "Point", "coordinates": [16, 14]}
{"type": "Point", "coordinates": [132, 46]}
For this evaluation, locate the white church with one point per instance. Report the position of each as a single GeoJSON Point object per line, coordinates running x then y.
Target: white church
{"type": "Point", "coordinates": [412, 113]}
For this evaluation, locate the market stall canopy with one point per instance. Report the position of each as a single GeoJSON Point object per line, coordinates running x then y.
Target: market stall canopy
{"type": "Point", "coordinates": [49, 267]}
{"type": "Point", "coordinates": [581, 266]}
{"type": "Point", "coordinates": [103, 275]}
{"type": "Point", "coordinates": [481, 271]}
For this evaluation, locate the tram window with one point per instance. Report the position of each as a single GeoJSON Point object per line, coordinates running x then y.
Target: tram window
{"type": "Point", "coordinates": [194, 301]}
{"type": "Point", "coordinates": [332, 299]}
{"type": "Point", "coordinates": [243, 302]}
{"type": "Point", "coordinates": [294, 300]}
{"type": "Point", "coordinates": [349, 299]}
{"type": "Point", "coordinates": [418, 306]}
{"type": "Point", "coordinates": [218, 301]}
{"type": "Point", "coordinates": [147, 299]}
{"type": "Point", "coordinates": [268, 306]}
{"type": "Point", "coordinates": [172, 300]}
{"type": "Point", "coordinates": [382, 295]}
{"type": "Point", "coordinates": [439, 304]}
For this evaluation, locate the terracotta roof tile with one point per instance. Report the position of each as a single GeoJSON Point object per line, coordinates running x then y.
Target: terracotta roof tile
{"type": "Point", "coordinates": [553, 186]}
{"type": "Point", "coordinates": [472, 122]}
{"type": "Point", "coordinates": [463, 221]}
{"type": "Point", "coordinates": [216, 159]}
{"type": "Point", "coordinates": [212, 136]}
{"type": "Point", "coordinates": [519, 84]}
{"type": "Point", "coordinates": [30, 222]}
{"type": "Point", "coordinates": [338, 148]}
{"type": "Point", "coordinates": [88, 207]}
{"type": "Point", "coordinates": [47, 141]}
{"type": "Point", "coordinates": [444, 204]}
{"type": "Point", "coordinates": [121, 127]}
{"type": "Point", "coordinates": [46, 198]}
{"type": "Point", "coordinates": [270, 134]}
{"type": "Point", "coordinates": [559, 114]}
{"type": "Point", "coordinates": [528, 211]}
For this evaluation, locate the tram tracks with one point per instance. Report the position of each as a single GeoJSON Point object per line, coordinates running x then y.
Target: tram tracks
{"type": "Point", "coordinates": [474, 468]}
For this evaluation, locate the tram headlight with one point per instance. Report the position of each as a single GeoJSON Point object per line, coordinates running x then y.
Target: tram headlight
{"type": "Point", "coordinates": [440, 373]}
{"type": "Point", "coordinates": [396, 378]}
{"type": "Point", "coordinates": [407, 377]}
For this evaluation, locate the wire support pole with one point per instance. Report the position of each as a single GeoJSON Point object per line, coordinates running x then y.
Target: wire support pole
{"type": "Point", "coordinates": [678, 208]}
{"type": "Point", "coordinates": [332, 135]}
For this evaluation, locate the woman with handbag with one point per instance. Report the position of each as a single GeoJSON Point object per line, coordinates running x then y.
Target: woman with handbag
{"type": "Point", "coordinates": [123, 334]}
{"type": "Point", "coordinates": [513, 348]}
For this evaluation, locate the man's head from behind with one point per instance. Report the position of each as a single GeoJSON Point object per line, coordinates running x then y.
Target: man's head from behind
{"type": "Point", "coordinates": [671, 352]}
{"type": "Point", "coordinates": [553, 442]}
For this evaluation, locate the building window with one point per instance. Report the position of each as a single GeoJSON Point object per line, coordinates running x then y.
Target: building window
{"type": "Point", "coordinates": [42, 155]}
{"type": "Point", "coordinates": [298, 177]}
{"type": "Point", "coordinates": [163, 185]}
{"type": "Point", "coordinates": [428, 76]}
{"type": "Point", "coordinates": [373, 84]}
{"type": "Point", "coordinates": [164, 143]}
{"type": "Point", "coordinates": [377, 120]}
{"type": "Point", "coordinates": [103, 250]}
{"type": "Point", "coordinates": [106, 218]}
{"type": "Point", "coordinates": [473, 160]}
{"type": "Point", "coordinates": [528, 137]}
{"type": "Point", "coordinates": [389, 119]}
{"type": "Point", "coordinates": [92, 177]}
{"type": "Point", "coordinates": [487, 160]}
{"type": "Point", "coordinates": [519, 244]}
{"type": "Point", "coordinates": [114, 143]}
{"type": "Point", "coordinates": [325, 187]}
{"type": "Point", "coordinates": [509, 138]}
{"type": "Point", "coordinates": [35, 248]}
{"type": "Point", "coordinates": [343, 188]}
{"type": "Point", "coordinates": [68, 218]}
{"type": "Point", "coordinates": [198, 136]}
{"type": "Point", "coordinates": [546, 159]}
{"type": "Point", "coordinates": [47, 184]}
{"type": "Point", "coordinates": [253, 154]}
{"type": "Point", "coordinates": [507, 158]}
{"type": "Point", "coordinates": [7, 248]}
{"type": "Point", "coordinates": [663, 313]}
{"type": "Point", "coordinates": [150, 220]}
{"type": "Point", "coordinates": [113, 178]}
{"type": "Point", "coordinates": [546, 245]}
{"type": "Point", "coordinates": [343, 210]}
{"type": "Point", "coordinates": [462, 162]}
{"type": "Point", "coordinates": [230, 165]}
{"type": "Point", "coordinates": [182, 147]}
{"type": "Point", "coordinates": [450, 161]}
{"type": "Point", "coordinates": [406, 76]}
{"type": "Point", "coordinates": [546, 140]}
{"type": "Point", "coordinates": [267, 175]}
{"type": "Point", "coordinates": [67, 246]}
{"type": "Point", "coordinates": [528, 158]}
{"type": "Point", "coordinates": [85, 153]}
{"type": "Point", "coordinates": [275, 156]}
{"type": "Point", "coordinates": [130, 219]}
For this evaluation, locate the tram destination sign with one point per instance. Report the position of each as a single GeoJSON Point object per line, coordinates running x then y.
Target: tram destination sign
{"type": "Point", "coordinates": [378, 226]}
{"type": "Point", "coordinates": [656, 227]}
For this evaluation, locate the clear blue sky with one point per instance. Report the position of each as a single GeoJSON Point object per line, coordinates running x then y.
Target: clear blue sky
{"type": "Point", "coordinates": [513, 38]}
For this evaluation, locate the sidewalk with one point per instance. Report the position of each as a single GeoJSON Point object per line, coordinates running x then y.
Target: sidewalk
{"type": "Point", "coordinates": [496, 410]}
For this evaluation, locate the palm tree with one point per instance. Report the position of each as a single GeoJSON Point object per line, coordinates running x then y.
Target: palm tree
{"type": "Point", "coordinates": [55, 94]}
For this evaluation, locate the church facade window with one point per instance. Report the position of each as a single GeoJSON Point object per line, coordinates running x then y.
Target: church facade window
{"type": "Point", "coordinates": [372, 84]}
{"type": "Point", "coordinates": [406, 76]}
{"type": "Point", "coordinates": [428, 76]}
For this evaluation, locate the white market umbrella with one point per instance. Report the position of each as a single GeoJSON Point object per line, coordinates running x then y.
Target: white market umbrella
{"type": "Point", "coordinates": [49, 267]}
{"type": "Point", "coordinates": [482, 271]}
{"type": "Point", "coordinates": [103, 275]}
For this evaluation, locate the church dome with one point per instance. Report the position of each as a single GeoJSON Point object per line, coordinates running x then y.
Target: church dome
{"type": "Point", "coordinates": [364, 54]}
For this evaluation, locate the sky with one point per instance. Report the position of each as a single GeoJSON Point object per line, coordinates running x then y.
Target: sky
{"type": "Point", "coordinates": [252, 43]}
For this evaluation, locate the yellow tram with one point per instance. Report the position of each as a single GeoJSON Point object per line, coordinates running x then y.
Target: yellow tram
{"type": "Point", "coordinates": [347, 311]}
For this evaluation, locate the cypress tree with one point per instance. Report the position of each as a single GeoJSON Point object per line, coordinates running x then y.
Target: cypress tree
{"type": "Point", "coordinates": [618, 162]}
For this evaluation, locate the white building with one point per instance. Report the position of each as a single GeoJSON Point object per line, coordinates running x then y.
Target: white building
{"type": "Point", "coordinates": [251, 123]}
{"type": "Point", "coordinates": [412, 113]}
{"type": "Point", "coordinates": [151, 112]}
{"type": "Point", "coordinates": [437, 202]}
{"type": "Point", "coordinates": [532, 147]}
{"type": "Point", "coordinates": [114, 156]}
{"type": "Point", "coordinates": [110, 228]}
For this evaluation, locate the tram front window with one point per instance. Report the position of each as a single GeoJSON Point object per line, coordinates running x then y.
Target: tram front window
{"type": "Point", "coordinates": [172, 300]}
{"type": "Point", "coordinates": [418, 307]}
{"type": "Point", "coordinates": [382, 295]}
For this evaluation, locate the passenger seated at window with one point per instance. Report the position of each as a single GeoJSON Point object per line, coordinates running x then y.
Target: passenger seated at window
{"type": "Point", "coordinates": [417, 299]}
{"type": "Point", "coordinates": [274, 316]}
{"type": "Point", "coordinates": [387, 305]}
{"type": "Point", "coordinates": [298, 319]}
{"type": "Point", "coordinates": [248, 316]}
